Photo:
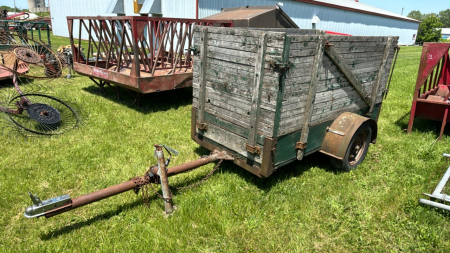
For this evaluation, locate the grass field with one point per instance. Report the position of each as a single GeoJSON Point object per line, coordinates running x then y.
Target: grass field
{"type": "Point", "coordinates": [305, 206]}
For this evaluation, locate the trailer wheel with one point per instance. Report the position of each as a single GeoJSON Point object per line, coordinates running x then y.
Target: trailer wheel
{"type": "Point", "coordinates": [356, 150]}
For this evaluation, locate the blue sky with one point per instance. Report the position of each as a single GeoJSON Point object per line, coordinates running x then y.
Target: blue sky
{"type": "Point", "coordinates": [425, 6]}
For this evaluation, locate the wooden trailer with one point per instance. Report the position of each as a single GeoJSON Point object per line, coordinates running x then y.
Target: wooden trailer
{"type": "Point", "coordinates": [272, 96]}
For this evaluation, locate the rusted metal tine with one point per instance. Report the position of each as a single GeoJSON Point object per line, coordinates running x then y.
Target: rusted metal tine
{"type": "Point", "coordinates": [187, 60]}
{"type": "Point", "coordinates": [79, 40]}
{"type": "Point", "coordinates": [159, 51]}
{"type": "Point", "coordinates": [180, 52]}
{"type": "Point", "coordinates": [90, 40]}
{"type": "Point", "coordinates": [99, 52]}
{"type": "Point", "coordinates": [108, 57]}
{"type": "Point", "coordinates": [145, 60]}
{"type": "Point", "coordinates": [131, 45]}
{"type": "Point", "coordinates": [151, 27]}
{"type": "Point", "coordinates": [119, 63]}
{"type": "Point", "coordinates": [98, 45]}
{"type": "Point", "coordinates": [114, 38]}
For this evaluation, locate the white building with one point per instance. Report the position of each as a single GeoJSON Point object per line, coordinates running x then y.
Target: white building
{"type": "Point", "coordinates": [445, 33]}
{"type": "Point", "coordinates": [344, 16]}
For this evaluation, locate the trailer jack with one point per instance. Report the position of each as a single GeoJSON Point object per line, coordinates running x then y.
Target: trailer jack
{"type": "Point", "coordinates": [155, 174]}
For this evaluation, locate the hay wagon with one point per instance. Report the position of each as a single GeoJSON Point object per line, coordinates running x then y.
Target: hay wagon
{"type": "Point", "coordinates": [273, 96]}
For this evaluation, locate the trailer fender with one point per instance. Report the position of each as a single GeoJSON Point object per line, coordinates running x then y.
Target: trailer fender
{"type": "Point", "coordinates": [340, 133]}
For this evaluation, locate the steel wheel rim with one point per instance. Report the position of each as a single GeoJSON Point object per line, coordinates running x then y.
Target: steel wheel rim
{"type": "Point", "coordinates": [67, 120]}
{"type": "Point", "coordinates": [357, 148]}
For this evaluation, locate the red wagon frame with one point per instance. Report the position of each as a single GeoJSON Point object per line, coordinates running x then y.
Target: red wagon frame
{"type": "Point", "coordinates": [434, 70]}
{"type": "Point", "coordinates": [140, 54]}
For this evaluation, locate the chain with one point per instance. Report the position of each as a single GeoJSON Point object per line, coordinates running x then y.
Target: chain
{"type": "Point", "coordinates": [143, 184]}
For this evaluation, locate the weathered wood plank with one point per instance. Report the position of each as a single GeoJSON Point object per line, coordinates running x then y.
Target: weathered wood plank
{"type": "Point", "coordinates": [243, 132]}
{"type": "Point", "coordinates": [337, 39]}
{"type": "Point", "coordinates": [238, 119]}
{"type": "Point", "coordinates": [202, 75]}
{"type": "Point", "coordinates": [229, 140]}
{"type": "Point", "coordinates": [311, 96]}
{"type": "Point", "coordinates": [377, 84]}
{"type": "Point", "coordinates": [335, 57]}
{"type": "Point", "coordinates": [238, 101]}
{"type": "Point", "coordinates": [257, 90]}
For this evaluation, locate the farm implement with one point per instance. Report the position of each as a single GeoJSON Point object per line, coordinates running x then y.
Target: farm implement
{"type": "Point", "coordinates": [431, 95]}
{"type": "Point", "coordinates": [32, 112]}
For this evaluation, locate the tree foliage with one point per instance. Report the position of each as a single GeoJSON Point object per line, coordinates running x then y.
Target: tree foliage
{"type": "Point", "coordinates": [415, 15]}
{"type": "Point", "coordinates": [429, 29]}
{"type": "Point", "coordinates": [444, 17]}
{"type": "Point", "coordinates": [12, 9]}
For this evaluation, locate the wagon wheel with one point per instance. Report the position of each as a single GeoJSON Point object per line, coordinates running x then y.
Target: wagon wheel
{"type": "Point", "coordinates": [42, 114]}
{"type": "Point", "coordinates": [356, 150]}
{"type": "Point", "coordinates": [29, 58]}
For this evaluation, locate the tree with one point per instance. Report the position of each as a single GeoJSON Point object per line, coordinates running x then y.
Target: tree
{"type": "Point", "coordinates": [429, 29]}
{"type": "Point", "coordinates": [444, 17]}
{"type": "Point", "coordinates": [415, 15]}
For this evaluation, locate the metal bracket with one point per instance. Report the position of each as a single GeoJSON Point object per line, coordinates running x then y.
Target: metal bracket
{"type": "Point", "coordinates": [328, 44]}
{"type": "Point", "coordinates": [335, 131]}
{"type": "Point", "coordinates": [301, 145]}
{"type": "Point", "coordinates": [283, 66]}
{"type": "Point", "coordinates": [195, 50]}
{"type": "Point", "coordinates": [253, 149]}
{"type": "Point", "coordinates": [202, 126]}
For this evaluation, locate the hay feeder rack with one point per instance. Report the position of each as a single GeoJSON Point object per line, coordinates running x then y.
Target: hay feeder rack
{"type": "Point", "coordinates": [431, 95]}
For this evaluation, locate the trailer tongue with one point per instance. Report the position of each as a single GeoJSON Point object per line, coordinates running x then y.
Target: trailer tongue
{"type": "Point", "coordinates": [155, 174]}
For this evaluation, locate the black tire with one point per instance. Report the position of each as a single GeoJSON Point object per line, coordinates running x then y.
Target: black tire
{"type": "Point", "coordinates": [356, 150]}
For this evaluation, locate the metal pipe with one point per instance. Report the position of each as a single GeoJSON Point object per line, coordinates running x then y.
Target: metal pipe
{"type": "Point", "coordinates": [129, 185]}
{"type": "Point", "coordinates": [92, 197]}
{"type": "Point", "coordinates": [168, 204]}
{"type": "Point", "coordinates": [435, 204]}
{"type": "Point", "coordinates": [185, 167]}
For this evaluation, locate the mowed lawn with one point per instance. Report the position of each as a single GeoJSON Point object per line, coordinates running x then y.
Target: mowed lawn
{"type": "Point", "coordinates": [305, 206]}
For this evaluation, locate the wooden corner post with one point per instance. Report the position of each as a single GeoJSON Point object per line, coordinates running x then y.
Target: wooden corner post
{"type": "Point", "coordinates": [256, 96]}
{"type": "Point", "coordinates": [202, 79]}
{"type": "Point", "coordinates": [376, 86]}
{"type": "Point", "coordinates": [301, 145]}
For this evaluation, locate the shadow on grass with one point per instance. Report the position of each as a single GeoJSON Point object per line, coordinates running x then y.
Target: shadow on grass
{"type": "Point", "coordinates": [421, 125]}
{"type": "Point", "coordinates": [105, 216]}
{"type": "Point", "coordinates": [152, 102]}
{"type": "Point", "coordinates": [293, 169]}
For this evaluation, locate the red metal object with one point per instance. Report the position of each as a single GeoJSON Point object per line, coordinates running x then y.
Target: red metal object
{"type": "Point", "coordinates": [143, 54]}
{"type": "Point", "coordinates": [18, 15]}
{"type": "Point", "coordinates": [434, 74]}
{"type": "Point", "coordinates": [336, 33]}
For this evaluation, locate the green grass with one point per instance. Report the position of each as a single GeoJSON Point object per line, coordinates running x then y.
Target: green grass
{"type": "Point", "coordinates": [305, 206]}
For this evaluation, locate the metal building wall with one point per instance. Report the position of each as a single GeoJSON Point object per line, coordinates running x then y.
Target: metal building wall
{"type": "Point", "coordinates": [179, 8]}
{"type": "Point", "coordinates": [331, 19]}
{"type": "Point", "coordinates": [60, 9]}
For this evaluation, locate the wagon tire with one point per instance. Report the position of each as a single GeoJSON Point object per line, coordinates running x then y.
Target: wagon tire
{"type": "Point", "coordinates": [356, 150]}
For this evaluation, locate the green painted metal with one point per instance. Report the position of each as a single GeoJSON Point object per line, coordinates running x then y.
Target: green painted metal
{"type": "Point", "coordinates": [32, 29]}
{"type": "Point", "coordinates": [285, 149]}
{"type": "Point", "coordinates": [286, 50]}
